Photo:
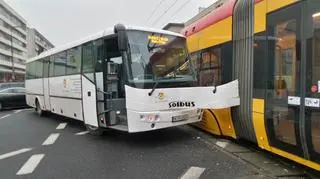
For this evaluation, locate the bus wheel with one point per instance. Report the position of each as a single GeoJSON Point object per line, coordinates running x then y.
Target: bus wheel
{"type": "Point", "coordinates": [95, 131]}
{"type": "Point", "coordinates": [38, 109]}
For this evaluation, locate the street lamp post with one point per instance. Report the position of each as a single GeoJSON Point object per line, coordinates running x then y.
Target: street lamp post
{"type": "Point", "coordinates": [13, 77]}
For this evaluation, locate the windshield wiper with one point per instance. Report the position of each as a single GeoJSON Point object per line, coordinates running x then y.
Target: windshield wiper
{"type": "Point", "coordinates": [154, 87]}
{"type": "Point", "coordinates": [164, 77]}
{"type": "Point", "coordinates": [157, 83]}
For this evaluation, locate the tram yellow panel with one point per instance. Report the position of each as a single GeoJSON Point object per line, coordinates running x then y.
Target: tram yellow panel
{"type": "Point", "coordinates": [193, 42]}
{"type": "Point", "coordinates": [208, 123]}
{"type": "Point", "coordinates": [296, 158]}
{"type": "Point", "coordinates": [216, 34]}
{"type": "Point", "coordinates": [225, 121]}
{"type": "Point", "coordinates": [260, 16]}
{"type": "Point", "coordinates": [259, 123]}
{"type": "Point", "coordinates": [277, 4]}
{"type": "Point", "coordinates": [258, 105]}
{"type": "Point", "coordinates": [215, 120]}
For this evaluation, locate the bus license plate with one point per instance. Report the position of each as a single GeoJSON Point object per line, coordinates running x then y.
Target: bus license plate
{"type": "Point", "coordinates": [180, 118]}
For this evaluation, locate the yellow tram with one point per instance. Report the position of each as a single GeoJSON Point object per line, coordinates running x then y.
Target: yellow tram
{"type": "Point", "coordinates": [273, 48]}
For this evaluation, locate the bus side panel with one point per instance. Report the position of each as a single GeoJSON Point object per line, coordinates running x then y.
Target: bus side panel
{"type": "Point", "coordinates": [65, 96]}
{"type": "Point", "coordinates": [34, 90]}
{"type": "Point", "coordinates": [71, 108]}
{"type": "Point", "coordinates": [66, 86]}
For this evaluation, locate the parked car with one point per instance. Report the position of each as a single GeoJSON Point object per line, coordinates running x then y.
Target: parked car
{"type": "Point", "coordinates": [11, 85]}
{"type": "Point", "coordinates": [12, 97]}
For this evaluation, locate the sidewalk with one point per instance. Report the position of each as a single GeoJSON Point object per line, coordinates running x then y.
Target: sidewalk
{"type": "Point", "coordinates": [266, 164]}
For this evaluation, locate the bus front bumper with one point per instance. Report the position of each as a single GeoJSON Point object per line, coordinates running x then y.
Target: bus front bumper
{"type": "Point", "coordinates": [148, 121]}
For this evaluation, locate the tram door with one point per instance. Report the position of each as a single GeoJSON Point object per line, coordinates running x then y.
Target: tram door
{"type": "Point", "coordinates": [312, 100]}
{"type": "Point", "coordinates": [284, 79]}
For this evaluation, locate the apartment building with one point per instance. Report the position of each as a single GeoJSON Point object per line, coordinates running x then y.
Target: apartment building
{"type": "Point", "coordinates": [13, 44]}
{"type": "Point", "coordinates": [37, 43]}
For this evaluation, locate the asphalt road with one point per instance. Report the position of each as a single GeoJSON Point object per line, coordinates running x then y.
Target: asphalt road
{"type": "Point", "coordinates": [56, 147]}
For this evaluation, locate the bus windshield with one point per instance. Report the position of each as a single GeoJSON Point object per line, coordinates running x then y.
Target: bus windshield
{"type": "Point", "coordinates": [158, 58]}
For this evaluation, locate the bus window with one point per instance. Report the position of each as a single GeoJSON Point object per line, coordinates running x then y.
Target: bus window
{"type": "Point", "coordinates": [46, 68]}
{"type": "Point", "coordinates": [28, 71]}
{"type": "Point", "coordinates": [88, 62]}
{"type": "Point", "coordinates": [113, 55]}
{"type": "Point", "coordinates": [39, 68]}
{"type": "Point", "coordinates": [51, 66]}
{"type": "Point", "coordinates": [74, 61]}
{"type": "Point", "coordinates": [60, 64]}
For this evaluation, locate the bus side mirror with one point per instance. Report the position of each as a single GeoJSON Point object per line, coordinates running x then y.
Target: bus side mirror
{"type": "Point", "coordinates": [122, 41]}
{"type": "Point", "coordinates": [122, 37]}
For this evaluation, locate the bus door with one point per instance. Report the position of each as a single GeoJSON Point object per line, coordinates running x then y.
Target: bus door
{"type": "Point", "coordinates": [88, 82]}
{"type": "Point", "coordinates": [113, 83]}
{"type": "Point", "coordinates": [46, 95]}
{"type": "Point", "coordinates": [312, 87]}
{"type": "Point", "coordinates": [283, 109]}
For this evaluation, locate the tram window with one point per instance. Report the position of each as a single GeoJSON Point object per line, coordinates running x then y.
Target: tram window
{"type": "Point", "coordinates": [210, 68]}
{"type": "Point", "coordinates": [226, 62]}
{"type": "Point", "coordinates": [259, 63]}
{"type": "Point", "coordinates": [285, 79]}
{"type": "Point", "coordinates": [313, 71]}
{"type": "Point", "coordinates": [196, 60]}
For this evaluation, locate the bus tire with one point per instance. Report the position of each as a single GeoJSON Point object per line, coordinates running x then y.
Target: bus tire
{"type": "Point", "coordinates": [95, 131]}
{"type": "Point", "coordinates": [38, 109]}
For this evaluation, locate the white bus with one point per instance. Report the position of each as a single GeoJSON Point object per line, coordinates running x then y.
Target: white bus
{"type": "Point", "coordinates": [126, 78]}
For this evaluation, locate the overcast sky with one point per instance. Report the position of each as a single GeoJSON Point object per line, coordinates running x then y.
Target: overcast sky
{"type": "Point", "coordinates": [63, 21]}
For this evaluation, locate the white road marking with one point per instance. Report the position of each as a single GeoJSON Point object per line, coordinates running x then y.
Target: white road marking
{"type": "Point", "coordinates": [222, 144]}
{"type": "Point", "coordinates": [193, 173]}
{"type": "Point", "coordinates": [17, 111]}
{"type": "Point", "coordinates": [13, 153]}
{"type": "Point", "coordinates": [62, 126]}
{"type": "Point", "coordinates": [51, 139]}
{"type": "Point", "coordinates": [31, 164]}
{"type": "Point", "coordinates": [82, 133]}
{"type": "Point", "coordinates": [5, 116]}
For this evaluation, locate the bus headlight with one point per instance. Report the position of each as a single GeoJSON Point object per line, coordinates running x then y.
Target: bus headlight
{"type": "Point", "coordinates": [150, 118]}
{"type": "Point", "coordinates": [142, 117]}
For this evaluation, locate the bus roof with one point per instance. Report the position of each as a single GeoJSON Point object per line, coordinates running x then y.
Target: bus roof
{"type": "Point", "coordinates": [95, 36]}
